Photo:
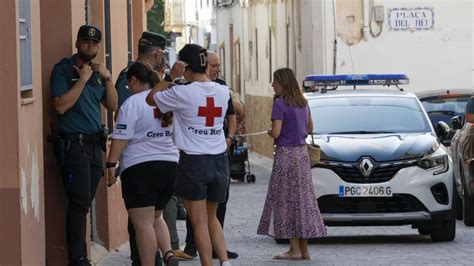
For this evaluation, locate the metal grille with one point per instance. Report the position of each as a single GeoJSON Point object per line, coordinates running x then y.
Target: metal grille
{"type": "Point", "coordinates": [382, 172]}
{"type": "Point", "coordinates": [396, 203]}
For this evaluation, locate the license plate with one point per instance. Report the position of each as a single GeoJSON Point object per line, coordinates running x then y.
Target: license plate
{"type": "Point", "coordinates": [365, 191]}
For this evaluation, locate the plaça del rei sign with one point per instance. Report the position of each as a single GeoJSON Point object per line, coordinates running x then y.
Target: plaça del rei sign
{"type": "Point", "coordinates": [411, 19]}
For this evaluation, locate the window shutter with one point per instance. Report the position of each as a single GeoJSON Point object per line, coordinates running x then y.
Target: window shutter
{"type": "Point", "coordinates": [25, 45]}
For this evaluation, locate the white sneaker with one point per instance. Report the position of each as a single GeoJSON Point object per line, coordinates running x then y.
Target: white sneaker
{"type": "Point", "coordinates": [226, 263]}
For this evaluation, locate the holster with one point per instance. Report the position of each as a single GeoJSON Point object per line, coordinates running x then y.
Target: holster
{"type": "Point", "coordinates": [59, 147]}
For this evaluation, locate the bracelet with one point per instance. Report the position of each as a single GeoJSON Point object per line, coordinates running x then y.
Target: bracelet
{"type": "Point", "coordinates": [110, 164]}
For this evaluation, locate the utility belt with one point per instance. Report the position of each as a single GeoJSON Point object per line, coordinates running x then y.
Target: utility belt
{"type": "Point", "coordinates": [61, 141]}
{"type": "Point", "coordinates": [79, 137]}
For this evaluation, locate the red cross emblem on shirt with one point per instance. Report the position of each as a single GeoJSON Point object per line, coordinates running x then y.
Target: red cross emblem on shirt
{"type": "Point", "coordinates": [209, 111]}
{"type": "Point", "coordinates": [157, 114]}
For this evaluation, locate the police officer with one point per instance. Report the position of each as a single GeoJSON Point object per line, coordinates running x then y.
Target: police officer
{"type": "Point", "coordinates": [78, 86]}
{"type": "Point", "coordinates": [151, 48]}
{"type": "Point", "coordinates": [151, 51]}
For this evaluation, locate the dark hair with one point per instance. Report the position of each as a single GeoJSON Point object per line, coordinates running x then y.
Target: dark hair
{"type": "Point", "coordinates": [143, 73]}
{"type": "Point", "coordinates": [292, 94]}
{"type": "Point", "coordinates": [195, 56]}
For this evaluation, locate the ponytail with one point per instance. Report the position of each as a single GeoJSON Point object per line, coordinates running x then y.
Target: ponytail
{"type": "Point", "coordinates": [144, 73]}
{"type": "Point", "coordinates": [153, 78]}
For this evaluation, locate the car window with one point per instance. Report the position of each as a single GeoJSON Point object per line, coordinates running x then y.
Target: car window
{"type": "Point", "coordinates": [367, 114]}
{"type": "Point", "coordinates": [457, 105]}
{"type": "Point", "coordinates": [444, 108]}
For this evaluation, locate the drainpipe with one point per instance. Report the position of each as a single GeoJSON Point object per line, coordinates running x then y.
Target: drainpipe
{"type": "Point", "coordinates": [366, 16]}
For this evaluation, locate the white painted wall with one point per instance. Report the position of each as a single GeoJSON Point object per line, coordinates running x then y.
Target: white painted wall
{"type": "Point", "coordinates": [441, 58]}
{"type": "Point", "coordinates": [226, 16]}
{"type": "Point", "coordinates": [198, 20]}
{"type": "Point", "coordinates": [433, 59]}
{"type": "Point", "coordinates": [472, 44]}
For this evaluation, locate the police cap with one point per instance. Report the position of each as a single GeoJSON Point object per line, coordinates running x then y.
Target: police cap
{"type": "Point", "coordinates": [89, 32]}
{"type": "Point", "coordinates": [154, 39]}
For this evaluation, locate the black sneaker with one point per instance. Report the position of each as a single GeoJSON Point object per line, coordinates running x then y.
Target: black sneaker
{"type": "Point", "coordinates": [231, 255]}
{"type": "Point", "coordinates": [190, 250]}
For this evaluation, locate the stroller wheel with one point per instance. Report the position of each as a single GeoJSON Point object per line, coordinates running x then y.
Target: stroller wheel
{"type": "Point", "coordinates": [248, 178]}
{"type": "Point", "coordinates": [252, 178]}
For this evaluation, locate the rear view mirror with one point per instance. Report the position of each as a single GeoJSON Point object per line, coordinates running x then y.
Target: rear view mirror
{"type": "Point", "coordinates": [457, 122]}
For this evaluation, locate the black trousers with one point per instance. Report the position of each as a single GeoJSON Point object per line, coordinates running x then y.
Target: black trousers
{"type": "Point", "coordinates": [81, 174]}
{"type": "Point", "coordinates": [220, 214]}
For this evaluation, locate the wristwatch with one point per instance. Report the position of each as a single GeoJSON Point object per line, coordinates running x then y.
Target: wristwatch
{"type": "Point", "coordinates": [110, 164]}
{"type": "Point", "coordinates": [168, 78]}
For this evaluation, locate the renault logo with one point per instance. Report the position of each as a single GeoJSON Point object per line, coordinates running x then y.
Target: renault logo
{"type": "Point", "coordinates": [366, 166]}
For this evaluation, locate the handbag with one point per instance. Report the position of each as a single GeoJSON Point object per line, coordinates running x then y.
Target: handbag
{"type": "Point", "coordinates": [314, 152]}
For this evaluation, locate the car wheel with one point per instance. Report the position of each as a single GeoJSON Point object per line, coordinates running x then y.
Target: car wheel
{"type": "Point", "coordinates": [468, 206]}
{"type": "Point", "coordinates": [447, 230]}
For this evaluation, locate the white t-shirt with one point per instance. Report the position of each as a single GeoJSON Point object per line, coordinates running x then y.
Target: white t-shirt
{"type": "Point", "coordinates": [198, 109]}
{"type": "Point", "coordinates": [148, 139]}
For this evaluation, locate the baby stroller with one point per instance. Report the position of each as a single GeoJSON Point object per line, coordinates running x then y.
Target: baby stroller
{"type": "Point", "coordinates": [239, 162]}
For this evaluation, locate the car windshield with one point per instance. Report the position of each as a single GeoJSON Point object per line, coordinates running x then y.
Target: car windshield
{"type": "Point", "coordinates": [444, 108]}
{"type": "Point", "coordinates": [367, 115]}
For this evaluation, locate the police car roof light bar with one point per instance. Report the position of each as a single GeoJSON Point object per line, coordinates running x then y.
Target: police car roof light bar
{"type": "Point", "coordinates": [312, 81]}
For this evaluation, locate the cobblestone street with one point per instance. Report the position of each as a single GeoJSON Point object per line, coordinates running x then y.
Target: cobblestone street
{"type": "Point", "coordinates": [343, 245]}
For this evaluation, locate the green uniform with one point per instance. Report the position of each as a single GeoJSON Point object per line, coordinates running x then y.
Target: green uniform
{"type": "Point", "coordinates": [85, 116]}
{"type": "Point", "coordinates": [121, 85]}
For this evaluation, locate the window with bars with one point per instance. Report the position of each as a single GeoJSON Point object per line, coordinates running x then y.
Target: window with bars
{"type": "Point", "coordinates": [25, 45]}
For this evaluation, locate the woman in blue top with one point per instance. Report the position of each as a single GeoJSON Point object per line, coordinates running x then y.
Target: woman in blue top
{"type": "Point", "coordinates": [291, 210]}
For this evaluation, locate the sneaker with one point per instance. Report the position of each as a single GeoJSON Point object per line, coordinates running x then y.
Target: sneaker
{"type": "Point", "coordinates": [190, 250]}
{"type": "Point", "coordinates": [181, 255]}
{"type": "Point", "coordinates": [226, 263]}
{"type": "Point", "coordinates": [231, 255]}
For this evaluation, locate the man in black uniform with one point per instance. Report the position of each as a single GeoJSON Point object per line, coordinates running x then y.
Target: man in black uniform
{"type": "Point", "coordinates": [230, 125]}
{"type": "Point", "coordinates": [151, 48]}
{"type": "Point", "coordinates": [78, 86]}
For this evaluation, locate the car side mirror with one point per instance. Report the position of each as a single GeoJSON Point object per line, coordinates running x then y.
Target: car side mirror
{"type": "Point", "coordinates": [457, 122]}
{"type": "Point", "coordinates": [443, 131]}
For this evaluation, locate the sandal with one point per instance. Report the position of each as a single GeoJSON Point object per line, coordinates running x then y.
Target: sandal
{"type": "Point", "coordinates": [287, 256]}
{"type": "Point", "coordinates": [181, 255]}
{"type": "Point", "coordinates": [171, 259]}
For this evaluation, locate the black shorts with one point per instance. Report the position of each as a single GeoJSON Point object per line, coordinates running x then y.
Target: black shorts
{"type": "Point", "coordinates": [203, 177]}
{"type": "Point", "coordinates": [149, 184]}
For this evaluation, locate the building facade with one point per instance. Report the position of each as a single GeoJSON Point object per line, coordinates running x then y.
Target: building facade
{"type": "Point", "coordinates": [37, 34]}
{"type": "Point", "coordinates": [430, 41]}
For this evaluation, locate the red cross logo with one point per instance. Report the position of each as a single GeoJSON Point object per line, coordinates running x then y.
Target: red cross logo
{"type": "Point", "coordinates": [209, 111]}
{"type": "Point", "coordinates": [157, 114]}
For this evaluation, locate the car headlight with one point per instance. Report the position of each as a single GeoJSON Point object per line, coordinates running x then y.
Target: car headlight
{"type": "Point", "coordinates": [439, 162]}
